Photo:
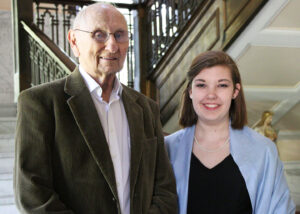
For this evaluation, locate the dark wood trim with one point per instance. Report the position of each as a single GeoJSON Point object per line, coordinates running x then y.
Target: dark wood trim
{"type": "Point", "coordinates": [147, 86]}
{"type": "Point", "coordinates": [215, 15]}
{"type": "Point", "coordinates": [169, 109]}
{"type": "Point", "coordinates": [240, 22]}
{"type": "Point", "coordinates": [237, 14]}
{"type": "Point", "coordinates": [164, 104]}
{"type": "Point", "coordinates": [82, 2]}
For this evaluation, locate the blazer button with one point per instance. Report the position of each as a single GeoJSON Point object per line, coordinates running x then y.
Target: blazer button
{"type": "Point", "coordinates": [114, 199]}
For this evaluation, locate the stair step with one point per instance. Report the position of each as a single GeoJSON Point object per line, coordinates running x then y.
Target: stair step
{"type": "Point", "coordinates": [6, 176]}
{"type": "Point", "coordinates": [9, 209]}
{"type": "Point", "coordinates": [7, 200]}
{"type": "Point", "coordinates": [8, 125]}
{"type": "Point", "coordinates": [8, 110]}
{"type": "Point", "coordinates": [6, 166]}
{"type": "Point", "coordinates": [6, 189]}
{"type": "Point", "coordinates": [7, 143]}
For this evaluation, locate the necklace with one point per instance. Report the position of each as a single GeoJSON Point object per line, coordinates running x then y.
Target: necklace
{"type": "Point", "coordinates": [212, 150]}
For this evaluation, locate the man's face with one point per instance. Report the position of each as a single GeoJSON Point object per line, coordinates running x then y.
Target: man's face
{"type": "Point", "coordinates": [101, 58]}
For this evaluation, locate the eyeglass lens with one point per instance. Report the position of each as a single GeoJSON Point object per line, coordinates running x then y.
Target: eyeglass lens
{"type": "Point", "coordinates": [102, 36]}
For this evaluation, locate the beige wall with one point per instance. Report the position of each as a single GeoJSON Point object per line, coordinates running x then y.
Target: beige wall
{"type": "Point", "coordinates": [5, 4]}
{"type": "Point", "coordinates": [289, 150]}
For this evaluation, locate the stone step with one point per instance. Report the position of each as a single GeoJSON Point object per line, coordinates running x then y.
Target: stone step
{"type": "Point", "coordinates": [7, 143]}
{"type": "Point", "coordinates": [9, 209]}
{"type": "Point", "coordinates": [7, 125]}
{"type": "Point", "coordinates": [8, 110]}
{"type": "Point", "coordinates": [7, 203]}
{"type": "Point", "coordinates": [292, 173]}
{"type": "Point", "coordinates": [6, 190]}
{"type": "Point", "coordinates": [6, 165]}
{"type": "Point", "coordinates": [6, 154]}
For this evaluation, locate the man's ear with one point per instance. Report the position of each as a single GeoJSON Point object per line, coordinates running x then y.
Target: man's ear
{"type": "Point", "coordinates": [236, 90]}
{"type": "Point", "coordinates": [73, 42]}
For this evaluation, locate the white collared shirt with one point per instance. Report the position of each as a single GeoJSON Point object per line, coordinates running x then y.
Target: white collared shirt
{"type": "Point", "coordinates": [115, 125]}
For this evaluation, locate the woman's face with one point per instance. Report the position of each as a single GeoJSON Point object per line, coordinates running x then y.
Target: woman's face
{"type": "Point", "coordinates": [211, 92]}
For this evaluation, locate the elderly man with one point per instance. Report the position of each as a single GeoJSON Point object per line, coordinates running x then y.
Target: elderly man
{"type": "Point", "coordinates": [87, 144]}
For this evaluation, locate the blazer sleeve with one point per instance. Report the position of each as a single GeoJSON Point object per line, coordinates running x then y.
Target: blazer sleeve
{"type": "Point", "coordinates": [164, 200]}
{"type": "Point", "coordinates": [34, 192]}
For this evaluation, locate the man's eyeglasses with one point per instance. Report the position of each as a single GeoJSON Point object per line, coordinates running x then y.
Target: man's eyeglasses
{"type": "Point", "coordinates": [102, 36]}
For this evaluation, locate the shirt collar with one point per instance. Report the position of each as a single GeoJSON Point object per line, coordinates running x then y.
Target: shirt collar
{"type": "Point", "coordinates": [93, 85]}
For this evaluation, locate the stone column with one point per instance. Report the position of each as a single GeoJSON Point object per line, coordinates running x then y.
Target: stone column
{"type": "Point", "coordinates": [22, 10]}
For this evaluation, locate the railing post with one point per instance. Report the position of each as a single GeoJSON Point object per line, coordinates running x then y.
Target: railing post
{"type": "Point", "coordinates": [147, 87]}
{"type": "Point", "coordinates": [21, 10]}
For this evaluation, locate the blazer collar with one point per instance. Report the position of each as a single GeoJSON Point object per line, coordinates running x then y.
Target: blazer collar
{"type": "Point", "coordinates": [74, 83]}
{"type": "Point", "coordinates": [86, 117]}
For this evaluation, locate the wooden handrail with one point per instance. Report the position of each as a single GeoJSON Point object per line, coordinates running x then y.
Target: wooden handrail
{"type": "Point", "coordinates": [52, 49]}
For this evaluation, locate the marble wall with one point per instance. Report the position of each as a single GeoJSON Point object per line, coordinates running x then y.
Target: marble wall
{"type": "Point", "coordinates": [6, 58]}
{"type": "Point", "coordinates": [292, 173]}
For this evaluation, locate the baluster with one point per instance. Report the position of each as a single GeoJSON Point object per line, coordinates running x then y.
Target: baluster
{"type": "Point", "coordinates": [39, 21]}
{"type": "Point", "coordinates": [55, 23]}
{"type": "Point", "coordinates": [160, 27]}
{"type": "Point", "coordinates": [167, 27]}
{"type": "Point", "coordinates": [130, 74]}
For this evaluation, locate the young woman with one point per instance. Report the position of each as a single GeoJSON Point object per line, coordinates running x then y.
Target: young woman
{"type": "Point", "coordinates": [221, 165]}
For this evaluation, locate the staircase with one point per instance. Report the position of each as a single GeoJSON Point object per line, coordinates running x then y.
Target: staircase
{"type": "Point", "coordinates": [7, 130]}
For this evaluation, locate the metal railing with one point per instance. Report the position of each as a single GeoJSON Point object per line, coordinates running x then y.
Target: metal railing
{"type": "Point", "coordinates": [55, 18]}
{"type": "Point", "coordinates": [167, 19]}
{"type": "Point", "coordinates": [47, 62]}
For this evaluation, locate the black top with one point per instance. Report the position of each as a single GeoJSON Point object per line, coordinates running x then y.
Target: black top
{"type": "Point", "coordinates": [221, 189]}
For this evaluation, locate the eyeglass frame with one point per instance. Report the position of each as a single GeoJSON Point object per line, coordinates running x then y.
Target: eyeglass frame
{"type": "Point", "coordinates": [107, 35]}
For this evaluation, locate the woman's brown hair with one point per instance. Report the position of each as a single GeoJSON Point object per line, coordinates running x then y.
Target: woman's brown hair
{"type": "Point", "coordinates": [237, 111]}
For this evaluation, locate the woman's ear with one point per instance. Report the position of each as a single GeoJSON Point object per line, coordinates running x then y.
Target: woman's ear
{"type": "Point", "coordinates": [190, 93]}
{"type": "Point", "coordinates": [236, 90]}
{"type": "Point", "coordinates": [73, 42]}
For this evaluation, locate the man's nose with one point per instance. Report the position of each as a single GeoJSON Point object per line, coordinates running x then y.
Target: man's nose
{"type": "Point", "coordinates": [111, 44]}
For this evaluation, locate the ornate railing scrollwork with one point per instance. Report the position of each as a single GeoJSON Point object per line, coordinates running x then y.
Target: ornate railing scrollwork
{"type": "Point", "coordinates": [167, 19]}
{"type": "Point", "coordinates": [47, 62]}
{"type": "Point", "coordinates": [44, 68]}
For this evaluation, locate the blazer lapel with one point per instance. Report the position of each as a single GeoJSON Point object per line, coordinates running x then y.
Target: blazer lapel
{"type": "Point", "coordinates": [86, 117]}
{"type": "Point", "coordinates": [134, 114]}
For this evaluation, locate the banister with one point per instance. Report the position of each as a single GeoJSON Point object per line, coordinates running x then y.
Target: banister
{"type": "Point", "coordinates": [52, 49]}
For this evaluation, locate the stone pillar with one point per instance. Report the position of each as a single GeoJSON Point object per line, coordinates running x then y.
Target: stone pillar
{"type": "Point", "coordinates": [22, 10]}
{"type": "Point", "coordinates": [6, 64]}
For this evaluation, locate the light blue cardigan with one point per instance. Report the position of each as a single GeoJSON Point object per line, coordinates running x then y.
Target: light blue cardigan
{"type": "Point", "coordinates": [257, 159]}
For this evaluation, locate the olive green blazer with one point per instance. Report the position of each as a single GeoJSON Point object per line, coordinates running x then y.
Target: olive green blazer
{"type": "Point", "coordinates": [62, 159]}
